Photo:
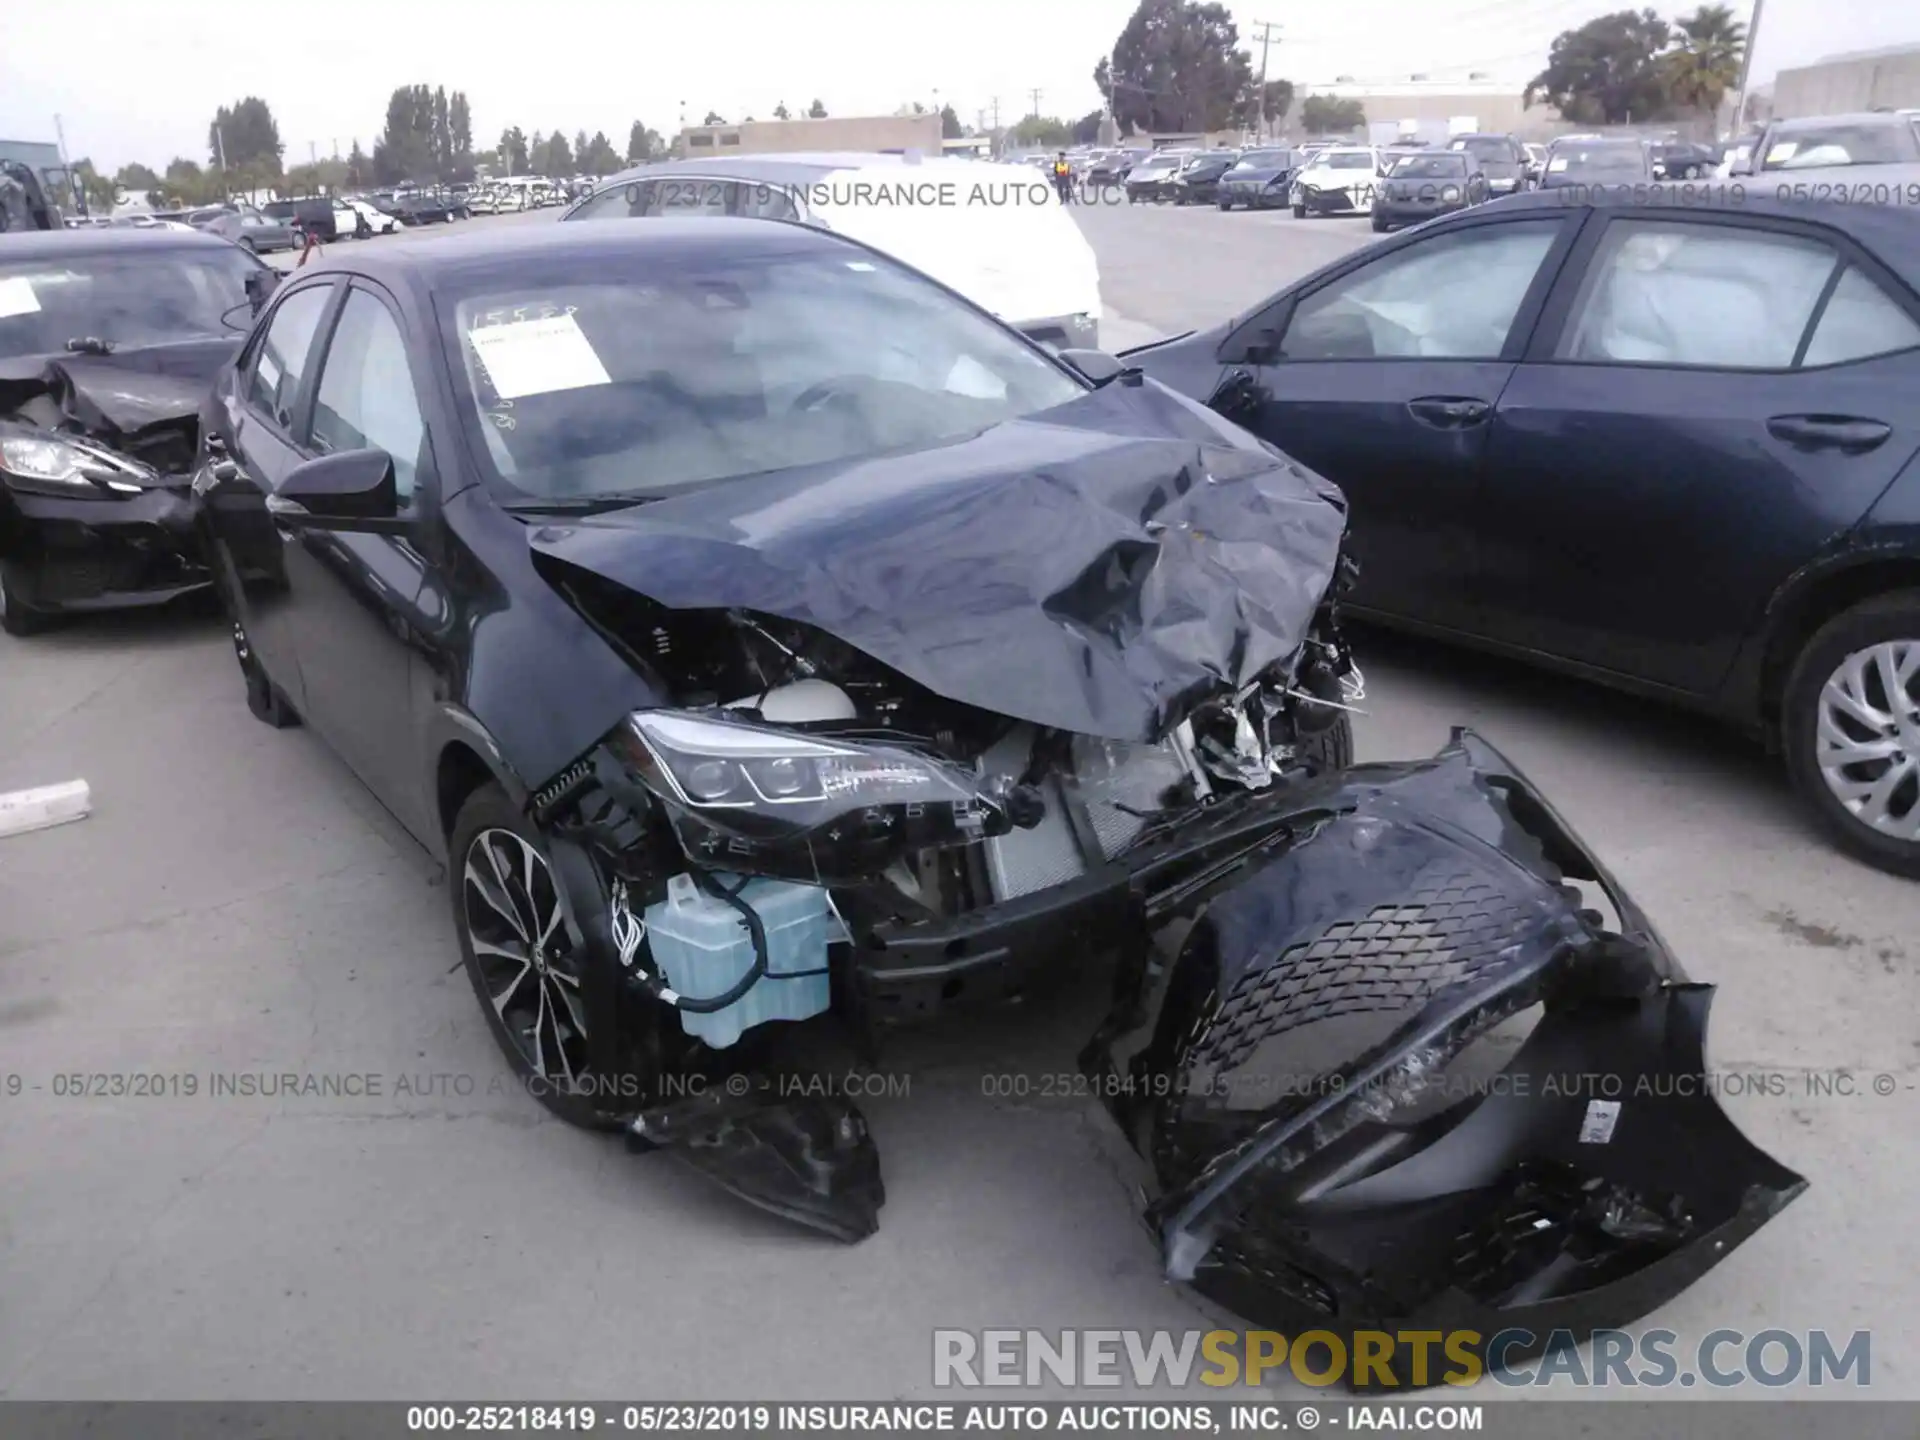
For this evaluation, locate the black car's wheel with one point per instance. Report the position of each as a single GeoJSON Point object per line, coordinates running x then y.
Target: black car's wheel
{"type": "Point", "coordinates": [1299, 211]}
{"type": "Point", "coordinates": [1224, 204]}
{"type": "Point", "coordinates": [1331, 748]}
{"type": "Point", "coordinates": [526, 971]}
{"type": "Point", "coordinates": [1850, 725]}
{"type": "Point", "coordinates": [1380, 226]}
{"type": "Point", "coordinates": [15, 616]}
{"type": "Point", "coordinates": [265, 700]}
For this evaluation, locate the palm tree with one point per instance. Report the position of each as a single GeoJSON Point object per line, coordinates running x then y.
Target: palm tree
{"type": "Point", "coordinates": [1705, 61]}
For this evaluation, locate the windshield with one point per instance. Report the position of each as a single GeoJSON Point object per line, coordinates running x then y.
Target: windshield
{"type": "Point", "coordinates": [127, 300]}
{"type": "Point", "coordinates": [611, 378]}
{"type": "Point", "coordinates": [1343, 160]}
{"type": "Point", "coordinates": [1803, 149]}
{"type": "Point", "coordinates": [1429, 167]}
{"type": "Point", "coordinates": [1264, 160]}
{"type": "Point", "coordinates": [1487, 148]}
{"type": "Point", "coordinates": [1600, 159]}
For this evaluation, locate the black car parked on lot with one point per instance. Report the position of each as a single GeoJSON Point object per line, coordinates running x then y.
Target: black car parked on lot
{"type": "Point", "coordinates": [108, 341]}
{"type": "Point", "coordinates": [1684, 159]}
{"type": "Point", "coordinates": [1198, 182]}
{"type": "Point", "coordinates": [1501, 158]}
{"type": "Point", "coordinates": [1259, 179]}
{"type": "Point", "coordinates": [1672, 448]}
{"type": "Point", "coordinates": [1425, 184]}
{"type": "Point", "coordinates": [760, 631]}
{"type": "Point", "coordinates": [1584, 163]}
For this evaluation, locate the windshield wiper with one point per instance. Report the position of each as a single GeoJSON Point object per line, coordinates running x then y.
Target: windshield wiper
{"type": "Point", "coordinates": [577, 504]}
{"type": "Point", "coordinates": [89, 345]}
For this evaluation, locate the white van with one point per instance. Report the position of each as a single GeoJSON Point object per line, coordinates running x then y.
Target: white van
{"type": "Point", "coordinates": [996, 233]}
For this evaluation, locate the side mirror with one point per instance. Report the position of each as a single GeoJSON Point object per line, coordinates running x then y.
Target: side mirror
{"type": "Point", "coordinates": [1097, 365]}
{"type": "Point", "coordinates": [347, 485]}
{"type": "Point", "coordinates": [261, 284]}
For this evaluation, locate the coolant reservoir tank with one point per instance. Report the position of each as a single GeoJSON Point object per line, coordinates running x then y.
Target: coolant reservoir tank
{"type": "Point", "coordinates": [799, 703]}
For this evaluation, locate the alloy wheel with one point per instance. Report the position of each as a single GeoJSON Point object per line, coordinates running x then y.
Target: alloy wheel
{"type": "Point", "coordinates": [1867, 738]}
{"type": "Point", "coordinates": [527, 965]}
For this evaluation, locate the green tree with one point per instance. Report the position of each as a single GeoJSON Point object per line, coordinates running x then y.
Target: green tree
{"type": "Point", "coordinates": [460, 127]}
{"type": "Point", "coordinates": [513, 151]}
{"type": "Point", "coordinates": [185, 183]}
{"type": "Point", "coordinates": [598, 156]}
{"type": "Point", "coordinates": [1608, 71]}
{"type": "Point", "coordinates": [1177, 65]}
{"type": "Point", "coordinates": [245, 134]}
{"type": "Point", "coordinates": [1325, 115]}
{"type": "Point", "coordinates": [816, 111]}
{"type": "Point", "coordinates": [559, 162]}
{"type": "Point", "coordinates": [1043, 131]}
{"type": "Point", "coordinates": [96, 187]}
{"type": "Point", "coordinates": [780, 111]}
{"type": "Point", "coordinates": [137, 182]}
{"type": "Point", "coordinates": [643, 144]}
{"type": "Point", "coordinates": [1704, 63]}
{"type": "Point", "coordinates": [1086, 130]}
{"type": "Point", "coordinates": [413, 144]}
{"type": "Point", "coordinates": [1268, 109]}
{"type": "Point", "coordinates": [950, 127]}
{"type": "Point", "coordinates": [359, 167]}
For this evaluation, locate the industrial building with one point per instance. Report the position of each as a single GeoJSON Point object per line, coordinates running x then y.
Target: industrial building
{"type": "Point", "coordinates": [1859, 80]}
{"type": "Point", "coordinates": [1435, 110]}
{"type": "Point", "coordinates": [830, 133]}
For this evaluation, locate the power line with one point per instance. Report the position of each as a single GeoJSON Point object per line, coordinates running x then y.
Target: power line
{"type": "Point", "coordinates": [1036, 94]}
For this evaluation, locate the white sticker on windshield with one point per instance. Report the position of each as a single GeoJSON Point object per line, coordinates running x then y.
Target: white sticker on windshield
{"type": "Point", "coordinates": [17, 297]}
{"type": "Point", "coordinates": [536, 357]}
{"type": "Point", "coordinates": [1785, 150]}
{"type": "Point", "coordinates": [1557, 164]}
{"type": "Point", "coordinates": [1601, 1117]}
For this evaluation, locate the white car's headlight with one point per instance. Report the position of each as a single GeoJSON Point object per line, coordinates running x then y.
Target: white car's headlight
{"type": "Point", "coordinates": [774, 801]}
{"type": "Point", "coordinates": [47, 465]}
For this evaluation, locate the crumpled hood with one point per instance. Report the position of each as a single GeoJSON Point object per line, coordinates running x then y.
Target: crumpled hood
{"type": "Point", "coordinates": [144, 403]}
{"type": "Point", "coordinates": [1099, 568]}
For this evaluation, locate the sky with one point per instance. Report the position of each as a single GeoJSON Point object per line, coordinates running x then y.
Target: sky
{"type": "Point", "coordinates": [130, 85]}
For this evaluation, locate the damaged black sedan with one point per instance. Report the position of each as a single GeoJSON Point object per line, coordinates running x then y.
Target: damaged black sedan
{"type": "Point", "coordinates": [764, 635]}
{"type": "Point", "coordinates": [108, 342]}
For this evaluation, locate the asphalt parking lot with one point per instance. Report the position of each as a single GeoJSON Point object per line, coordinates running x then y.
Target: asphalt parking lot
{"type": "Point", "coordinates": [237, 906]}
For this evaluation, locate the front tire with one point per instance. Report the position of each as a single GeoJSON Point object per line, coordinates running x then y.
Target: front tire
{"type": "Point", "coordinates": [1380, 226]}
{"type": "Point", "coordinates": [1299, 211]}
{"type": "Point", "coordinates": [1850, 726]}
{"type": "Point", "coordinates": [1330, 749]}
{"type": "Point", "coordinates": [15, 617]}
{"type": "Point", "coordinates": [525, 969]}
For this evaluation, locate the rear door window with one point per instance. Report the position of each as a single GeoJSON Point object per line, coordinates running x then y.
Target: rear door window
{"type": "Point", "coordinates": [1663, 292]}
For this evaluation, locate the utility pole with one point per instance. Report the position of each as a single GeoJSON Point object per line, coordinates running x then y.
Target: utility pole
{"type": "Point", "coordinates": [313, 153]}
{"type": "Point", "coordinates": [1266, 29]}
{"type": "Point", "coordinates": [1746, 68]}
{"type": "Point", "coordinates": [1036, 102]}
{"type": "Point", "coordinates": [60, 139]}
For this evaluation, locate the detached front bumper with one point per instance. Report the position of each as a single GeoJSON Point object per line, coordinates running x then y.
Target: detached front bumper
{"type": "Point", "coordinates": [1302, 1060]}
{"type": "Point", "coordinates": [100, 554]}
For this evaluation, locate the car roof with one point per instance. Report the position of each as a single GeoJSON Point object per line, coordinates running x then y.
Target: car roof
{"type": "Point", "coordinates": [101, 240]}
{"type": "Point", "coordinates": [1890, 232]}
{"type": "Point", "coordinates": [668, 239]}
{"type": "Point", "coordinates": [799, 168]}
{"type": "Point", "coordinates": [1857, 117]}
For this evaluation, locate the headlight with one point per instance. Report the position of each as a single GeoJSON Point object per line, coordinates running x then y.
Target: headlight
{"type": "Point", "coordinates": [769, 801]}
{"type": "Point", "coordinates": [48, 466]}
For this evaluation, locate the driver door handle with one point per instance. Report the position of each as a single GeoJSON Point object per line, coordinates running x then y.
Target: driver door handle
{"type": "Point", "coordinates": [1448, 412]}
{"type": "Point", "coordinates": [1848, 434]}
